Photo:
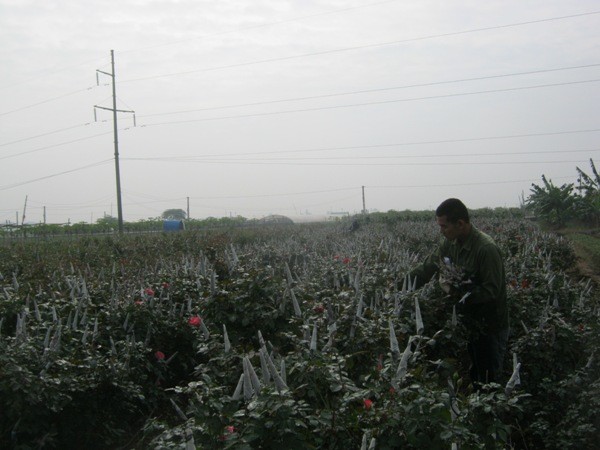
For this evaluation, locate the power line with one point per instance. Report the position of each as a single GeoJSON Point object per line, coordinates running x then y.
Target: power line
{"type": "Point", "coordinates": [461, 184]}
{"type": "Point", "coordinates": [191, 39]}
{"type": "Point", "coordinates": [252, 27]}
{"type": "Point", "coordinates": [47, 101]}
{"type": "Point", "coordinates": [324, 191]}
{"type": "Point", "coordinates": [442, 155]}
{"type": "Point", "coordinates": [53, 146]}
{"type": "Point", "coordinates": [48, 71]}
{"type": "Point", "coordinates": [367, 91]}
{"type": "Point", "coordinates": [284, 163]}
{"type": "Point", "coordinates": [310, 97]}
{"type": "Point", "coordinates": [287, 112]}
{"type": "Point", "coordinates": [22, 183]}
{"type": "Point", "coordinates": [358, 188]}
{"type": "Point", "coordinates": [68, 206]}
{"type": "Point", "coordinates": [362, 47]}
{"type": "Point", "coordinates": [355, 147]}
{"type": "Point", "coordinates": [381, 102]}
{"type": "Point", "coordinates": [223, 197]}
{"type": "Point", "coordinates": [45, 134]}
{"type": "Point", "coordinates": [151, 197]}
{"type": "Point", "coordinates": [399, 144]}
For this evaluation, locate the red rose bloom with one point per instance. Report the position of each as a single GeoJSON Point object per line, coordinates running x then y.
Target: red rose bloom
{"type": "Point", "coordinates": [149, 291]}
{"type": "Point", "coordinates": [368, 403]}
{"type": "Point", "coordinates": [159, 355]}
{"type": "Point", "coordinates": [195, 321]}
{"type": "Point", "coordinates": [230, 429]}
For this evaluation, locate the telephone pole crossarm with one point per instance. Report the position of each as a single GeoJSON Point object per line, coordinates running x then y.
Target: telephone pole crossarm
{"type": "Point", "coordinates": [110, 109]}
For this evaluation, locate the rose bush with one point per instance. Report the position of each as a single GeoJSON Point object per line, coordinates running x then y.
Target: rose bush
{"type": "Point", "coordinates": [295, 337]}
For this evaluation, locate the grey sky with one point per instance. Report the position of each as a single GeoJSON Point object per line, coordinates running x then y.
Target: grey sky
{"type": "Point", "coordinates": [252, 108]}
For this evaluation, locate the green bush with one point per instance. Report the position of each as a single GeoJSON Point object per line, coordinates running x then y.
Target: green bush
{"type": "Point", "coordinates": [119, 342]}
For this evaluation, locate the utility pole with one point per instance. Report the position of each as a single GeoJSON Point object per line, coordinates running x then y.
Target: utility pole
{"type": "Point", "coordinates": [24, 209]}
{"type": "Point", "coordinates": [116, 134]}
{"type": "Point", "coordinates": [188, 208]}
{"type": "Point", "coordinates": [44, 215]}
{"type": "Point", "coordinates": [23, 219]}
{"type": "Point", "coordinates": [363, 196]}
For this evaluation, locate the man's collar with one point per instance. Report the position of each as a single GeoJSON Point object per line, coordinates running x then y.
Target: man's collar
{"type": "Point", "coordinates": [468, 241]}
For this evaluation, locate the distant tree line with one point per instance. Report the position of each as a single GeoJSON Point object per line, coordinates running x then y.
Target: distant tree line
{"type": "Point", "coordinates": [109, 225]}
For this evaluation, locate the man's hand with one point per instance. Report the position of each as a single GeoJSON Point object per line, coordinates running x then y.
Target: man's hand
{"type": "Point", "coordinates": [445, 285]}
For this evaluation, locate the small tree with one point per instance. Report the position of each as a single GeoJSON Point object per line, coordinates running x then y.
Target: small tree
{"type": "Point", "coordinates": [552, 203]}
{"type": "Point", "coordinates": [174, 214]}
{"type": "Point", "coordinates": [107, 222]}
{"type": "Point", "coordinates": [588, 203]}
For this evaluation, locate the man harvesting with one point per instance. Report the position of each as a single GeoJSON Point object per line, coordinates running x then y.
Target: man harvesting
{"type": "Point", "coordinates": [471, 271]}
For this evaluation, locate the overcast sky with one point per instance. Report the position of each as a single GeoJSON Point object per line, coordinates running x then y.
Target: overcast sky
{"type": "Point", "coordinates": [290, 107]}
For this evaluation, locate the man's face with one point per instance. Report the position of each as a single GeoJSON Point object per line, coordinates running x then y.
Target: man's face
{"type": "Point", "coordinates": [449, 230]}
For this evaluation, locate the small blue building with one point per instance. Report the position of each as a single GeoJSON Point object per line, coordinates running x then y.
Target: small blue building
{"type": "Point", "coordinates": [173, 225]}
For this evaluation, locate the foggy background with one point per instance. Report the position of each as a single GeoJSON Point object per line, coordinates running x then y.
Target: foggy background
{"type": "Point", "coordinates": [281, 107]}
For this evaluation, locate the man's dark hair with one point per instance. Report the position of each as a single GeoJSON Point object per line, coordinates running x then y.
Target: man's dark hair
{"type": "Point", "coordinates": [453, 209]}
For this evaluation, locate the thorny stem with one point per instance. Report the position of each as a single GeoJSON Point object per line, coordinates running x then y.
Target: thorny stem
{"type": "Point", "coordinates": [522, 436]}
{"type": "Point", "coordinates": [340, 375]}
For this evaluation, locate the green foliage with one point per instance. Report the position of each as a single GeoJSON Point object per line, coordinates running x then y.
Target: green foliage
{"type": "Point", "coordinates": [109, 223]}
{"type": "Point", "coordinates": [588, 205]}
{"type": "Point", "coordinates": [174, 214]}
{"type": "Point", "coordinates": [559, 205]}
{"type": "Point", "coordinates": [555, 204]}
{"type": "Point", "coordinates": [97, 349]}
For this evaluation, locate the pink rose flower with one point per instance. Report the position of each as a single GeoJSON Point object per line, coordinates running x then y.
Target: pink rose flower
{"type": "Point", "coordinates": [195, 321]}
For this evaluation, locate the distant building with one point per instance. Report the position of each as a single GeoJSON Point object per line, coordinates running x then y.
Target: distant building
{"type": "Point", "coordinates": [337, 215]}
{"type": "Point", "coordinates": [276, 219]}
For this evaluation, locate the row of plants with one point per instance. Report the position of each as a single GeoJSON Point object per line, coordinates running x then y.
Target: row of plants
{"type": "Point", "coordinates": [109, 224]}
{"type": "Point", "coordinates": [298, 337]}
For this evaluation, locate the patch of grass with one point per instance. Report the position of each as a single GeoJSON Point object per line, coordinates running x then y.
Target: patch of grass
{"type": "Point", "coordinates": [585, 240]}
{"type": "Point", "coordinates": [587, 246]}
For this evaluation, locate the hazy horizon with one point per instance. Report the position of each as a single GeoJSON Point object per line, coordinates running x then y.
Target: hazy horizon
{"type": "Point", "coordinates": [292, 108]}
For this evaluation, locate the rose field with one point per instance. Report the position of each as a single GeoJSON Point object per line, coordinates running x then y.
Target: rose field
{"type": "Point", "coordinates": [288, 337]}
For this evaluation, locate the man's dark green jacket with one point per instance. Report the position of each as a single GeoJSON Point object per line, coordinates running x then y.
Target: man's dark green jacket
{"type": "Point", "coordinates": [483, 267]}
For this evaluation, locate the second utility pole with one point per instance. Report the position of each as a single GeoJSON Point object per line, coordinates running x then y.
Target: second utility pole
{"type": "Point", "coordinates": [116, 135]}
{"type": "Point", "coordinates": [364, 211]}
